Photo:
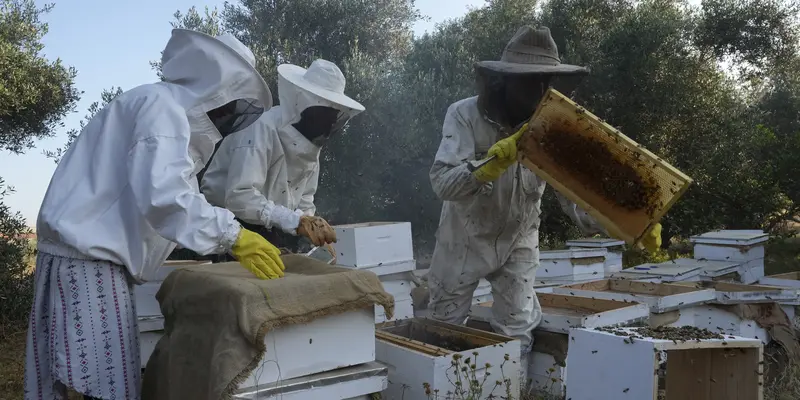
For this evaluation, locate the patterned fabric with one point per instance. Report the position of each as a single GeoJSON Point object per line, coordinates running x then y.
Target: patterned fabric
{"type": "Point", "coordinates": [82, 332]}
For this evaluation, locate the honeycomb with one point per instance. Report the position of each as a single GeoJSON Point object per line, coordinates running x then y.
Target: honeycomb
{"type": "Point", "coordinates": [618, 182]}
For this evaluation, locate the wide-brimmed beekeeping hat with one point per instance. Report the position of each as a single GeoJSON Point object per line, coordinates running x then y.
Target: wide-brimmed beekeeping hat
{"type": "Point", "coordinates": [532, 51]}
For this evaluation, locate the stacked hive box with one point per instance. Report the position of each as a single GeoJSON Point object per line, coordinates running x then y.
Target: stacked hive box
{"type": "Point", "coordinates": [614, 249]}
{"type": "Point", "coordinates": [336, 371]}
{"type": "Point", "coordinates": [744, 247]}
{"type": "Point", "coordinates": [148, 311]}
{"type": "Point", "coordinates": [386, 249]}
{"type": "Point", "coordinates": [569, 266]}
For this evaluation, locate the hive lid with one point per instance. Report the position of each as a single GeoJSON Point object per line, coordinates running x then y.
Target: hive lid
{"type": "Point", "coordinates": [596, 242]}
{"type": "Point", "coordinates": [708, 268]}
{"type": "Point", "coordinates": [671, 270]}
{"type": "Point", "coordinates": [571, 154]}
{"type": "Point", "coordinates": [744, 237]}
{"type": "Point", "coordinates": [571, 253]}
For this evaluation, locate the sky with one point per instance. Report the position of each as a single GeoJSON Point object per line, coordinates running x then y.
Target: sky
{"type": "Point", "coordinates": [111, 43]}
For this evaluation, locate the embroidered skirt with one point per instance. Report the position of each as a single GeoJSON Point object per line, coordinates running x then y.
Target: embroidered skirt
{"type": "Point", "coordinates": [82, 332]}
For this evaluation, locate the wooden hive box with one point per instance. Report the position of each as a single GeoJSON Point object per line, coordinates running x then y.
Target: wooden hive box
{"type": "Point", "coordinates": [568, 126]}
{"type": "Point", "coordinates": [612, 366]}
{"type": "Point", "coordinates": [661, 297]}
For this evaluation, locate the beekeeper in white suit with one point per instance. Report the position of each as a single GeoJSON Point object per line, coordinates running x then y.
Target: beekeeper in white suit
{"type": "Point", "coordinates": [489, 225]}
{"type": "Point", "coordinates": [267, 174]}
{"type": "Point", "coordinates": [121, 198]}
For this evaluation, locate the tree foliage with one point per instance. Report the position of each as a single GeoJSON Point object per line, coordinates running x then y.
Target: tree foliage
{"type": "Point", "coordinates": [35, 93]}
{"type": "Point", "coordinates": [105, 97]}
{"type": "Point", "coordinates": [712, 88]}
{"type": "Point", "coordinates": [16, 280]}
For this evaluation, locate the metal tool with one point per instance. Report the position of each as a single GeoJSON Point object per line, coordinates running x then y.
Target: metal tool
{"type": "Point", "coordinates": [476, 164]}
{"type": "Point", "coordinates": [322, 253]}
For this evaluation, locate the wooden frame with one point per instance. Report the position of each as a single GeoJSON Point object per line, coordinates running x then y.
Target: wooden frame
{"type": "Point", "coordinates": [661, 297]}
{"type": "Point", "coordinates": [563, 312]}
{"type": "Point", "coordinates": [558, 110]}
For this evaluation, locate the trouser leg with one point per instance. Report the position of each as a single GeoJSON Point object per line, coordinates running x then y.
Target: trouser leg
{"type": "Point", "coordinates": [450, 306]}
{"type": "Point", "coordinates": [515, 309]}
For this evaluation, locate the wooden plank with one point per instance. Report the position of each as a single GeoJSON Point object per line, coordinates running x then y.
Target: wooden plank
{"type": "Point", "coordinates": [562, 312]}
{"type": "Point", "coordinates": [582, 304]}
{"type": "Point", "coordinates": [558, 112]}
{"type": "Point", "coordinates": [412, 344]}
{"type": "Point", "coordinates": [660, 297]}
{"type": "Point", "coordinates": [714, 374]}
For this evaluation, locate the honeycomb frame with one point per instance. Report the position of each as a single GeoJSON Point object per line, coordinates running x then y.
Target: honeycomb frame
{"type": "Point", "coordinates": [556, 111]}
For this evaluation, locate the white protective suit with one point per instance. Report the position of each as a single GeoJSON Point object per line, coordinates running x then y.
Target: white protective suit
{"type": "Point", "coordinates": [487, 230]}
{"type": "Point", "coordinates": [267, 174]}
{"type": "Point", "coordinates": [125, 191]}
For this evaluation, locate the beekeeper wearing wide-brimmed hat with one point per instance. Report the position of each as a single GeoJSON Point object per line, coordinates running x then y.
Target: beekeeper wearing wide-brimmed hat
{"type": "Point", "coordinates": [121, 199]}
{"type": "Point", "coordinates": [267, 174]}
{"type": "Point", "coordinates": [489, 225]}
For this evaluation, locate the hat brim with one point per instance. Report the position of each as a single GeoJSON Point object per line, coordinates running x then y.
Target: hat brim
{"type": "Point", "coordinates": [533, 69]}
{"type": "Point", "coordinates": [294, 74]}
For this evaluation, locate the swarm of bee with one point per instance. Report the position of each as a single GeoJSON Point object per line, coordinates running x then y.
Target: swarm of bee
{"type": "Point", "coordinates": [590, 161]}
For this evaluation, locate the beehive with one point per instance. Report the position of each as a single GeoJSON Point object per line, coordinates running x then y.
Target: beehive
{"type": "Point", "coordinates": [622, 185]}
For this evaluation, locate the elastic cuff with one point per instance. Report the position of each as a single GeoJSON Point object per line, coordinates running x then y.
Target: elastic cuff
{"type": "Point", "coordinates": [229, 237]}
{"type": "Point", "coordinates": [285, 219]}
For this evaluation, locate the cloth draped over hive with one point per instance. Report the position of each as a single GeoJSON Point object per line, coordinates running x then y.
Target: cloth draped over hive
{"type": "Point", "coordinates": [217, 316]}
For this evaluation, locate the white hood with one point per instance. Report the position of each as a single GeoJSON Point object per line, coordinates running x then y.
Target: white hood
{"type": "Point", "coordinates": [229, 74]}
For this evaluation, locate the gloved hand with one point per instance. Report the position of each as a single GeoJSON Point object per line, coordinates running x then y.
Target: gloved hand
{"type": "Point", "coordinates": [506, 152]}
{"type": "Point", "coordinates": [317, 230]}
{"type": "Point", "coordinates": [258, 255]}
{"type": "Point", "coordinates": [651, 241]}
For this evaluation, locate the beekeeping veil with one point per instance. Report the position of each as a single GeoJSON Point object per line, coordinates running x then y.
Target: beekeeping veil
{"type": "Point", "coordinates": [510, 89]}
{"type": "Point", "coordinates": [313, 100]}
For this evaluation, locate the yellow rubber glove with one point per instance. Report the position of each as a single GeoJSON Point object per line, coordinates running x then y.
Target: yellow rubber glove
{"type": "Point", "coordinates": [258, 255]}
{"type": "Point", "coordinates": [506, 152]}
{"type": "Point", "coordinates": [651, 241]}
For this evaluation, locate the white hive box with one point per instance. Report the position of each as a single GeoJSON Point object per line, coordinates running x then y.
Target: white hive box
{"type": "Point", "coordinates": [351, 383]}
{"type": "Point", "coordinates": [388, 271]}
{"type": "Point", "coordinates": [150, 331]}
{"type": "Point", "coordinates": [609, 366]}
{"type": "Point", "coordinates": [789, 280]}
{"type": "Point", "coordinates": [400, 286]}
{"type": "Point", "coordinates": [738, 293]}
{"type": "Point", "coordinates": [336, 341]}
{"type": "Point", "coordinates": [419, 351]}
{"type": "Point", "coordinates": [571, 265]}
{"type": "Point", "coordinates": [713, 270]}
{"type": "Point", "coordinates": [662, 272]}
{"type": "Point", "coordinates": [614, 248]}
{"type": "Point", "coordinates": [545, 375]}
{"type": "Point", "coordinates": [373, 243]}
{"type": "Point", "coordinates": [661, 297]}
{"type": "Point", "coordinates": [560, 313]}
{"type": "Point", "coordinates": [625, 275]}
{"type": "Point", "coordinates": [715, 319]}
{"type": "Point", "coordinates": [144, 295]}
{"type": "Point", "coordinates": [741, 246]}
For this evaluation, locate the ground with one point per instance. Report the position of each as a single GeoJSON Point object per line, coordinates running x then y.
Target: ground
{"type": "Point", "coordinates": [782, 256]}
